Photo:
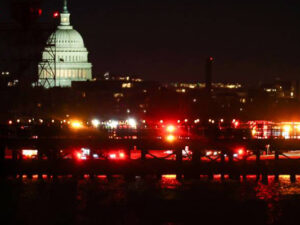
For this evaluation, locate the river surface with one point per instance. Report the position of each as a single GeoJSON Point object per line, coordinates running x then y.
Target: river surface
{"type": "Point", "coordinates": [165, 201]}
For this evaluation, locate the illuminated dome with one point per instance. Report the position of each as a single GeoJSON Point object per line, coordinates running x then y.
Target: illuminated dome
{"type": "Point", "coordinates": [66, 38]}
{"type": "Point", "coordinates": [65, 56]}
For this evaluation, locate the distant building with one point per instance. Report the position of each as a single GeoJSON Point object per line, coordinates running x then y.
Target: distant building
{"type": "Point", "coordinates": [114, 83]}
{"type": "Point", "coordinates": [64, 56]}
{"type": "Point", "coordinates": [185, 87]}
{"type": "Point", "coordinates": [282, 89]}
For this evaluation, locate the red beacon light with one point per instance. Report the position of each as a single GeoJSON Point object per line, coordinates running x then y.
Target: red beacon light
{"type": "Point", "coordinates": [241, 151]}
{"type": "Point", "coordinates": [40, 11]}
{"type": "Point", "coordinates": [235, 123]}
{"type": "Point", "coordinates": [122, 155]}
{"type": "Point", "coordinates": [56, 14]}
{"type": "Point", "coordinates": [79, 155]}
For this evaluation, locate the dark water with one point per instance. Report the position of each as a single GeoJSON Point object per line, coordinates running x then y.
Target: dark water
{"type": "Point", "coordinates": [149, 201]}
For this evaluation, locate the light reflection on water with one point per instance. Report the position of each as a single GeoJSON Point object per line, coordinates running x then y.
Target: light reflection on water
{"type": "Point", "coordinates": [169, 181]}
{"type": "Point", "coordinates": [131, 199]}
{"type": "Point", "coordinates": [271, 192]}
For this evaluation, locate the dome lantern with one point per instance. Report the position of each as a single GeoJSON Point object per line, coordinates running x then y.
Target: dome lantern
{"type": "Point", "coordinates": [65, 17]}
{"type": "Point", "coordinates": [65, 8]}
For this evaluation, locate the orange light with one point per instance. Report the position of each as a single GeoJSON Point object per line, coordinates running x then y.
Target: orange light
{"type": "Point", "coordinates": [76, 124]}
{"type": "Point", "coordinates": [171, 128]}
{"type": "Point", "coordinates": [171, 138]}
{"type": "Point", "coordinates": [169, 176]}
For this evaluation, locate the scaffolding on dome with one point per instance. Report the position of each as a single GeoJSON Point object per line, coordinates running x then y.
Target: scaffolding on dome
{"type": "Point", "coordinates": [47, 70]}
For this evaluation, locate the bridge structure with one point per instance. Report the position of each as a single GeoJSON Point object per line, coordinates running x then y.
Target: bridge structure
{"type": "Point", "coordinates": [55, 156]}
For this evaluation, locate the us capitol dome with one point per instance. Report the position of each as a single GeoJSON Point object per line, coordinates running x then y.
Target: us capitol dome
{"type": "Point", "coordinates": [64, 57]}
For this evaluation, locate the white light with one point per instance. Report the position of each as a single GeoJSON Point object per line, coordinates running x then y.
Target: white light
{"type": "Point", "coordinates": [112, 156]}
{"type": "Point", "coordinates": [169, 152]}
{"type": "Point", "coordinates": [132, 122]}
{"type": "Point", "coordinates": [112, 124]}
{"type": "Point", "coordinates": [85, 151]}
{"type": "Point", "coordinates": [208, 153]}
{"type": "Point", "coordinates": [29, 153]}
{"type": "Point", "coordinates": [95, 123]}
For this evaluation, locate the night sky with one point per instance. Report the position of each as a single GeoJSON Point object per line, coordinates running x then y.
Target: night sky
{"type": "Point", "coordinates": [169, 40]}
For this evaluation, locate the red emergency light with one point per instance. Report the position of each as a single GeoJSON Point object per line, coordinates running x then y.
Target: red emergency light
{"type": "Point", "coordinates": [117, 155]}
{"type": "Point", "coordinates": [240, 151]}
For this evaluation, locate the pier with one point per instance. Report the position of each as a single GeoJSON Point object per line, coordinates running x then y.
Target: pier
{"type": "Point", "coordinates": [152, 157]}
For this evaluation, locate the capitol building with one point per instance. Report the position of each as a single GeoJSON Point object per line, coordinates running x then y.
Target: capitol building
{"type": "Point", "coordinates": [65, 58]}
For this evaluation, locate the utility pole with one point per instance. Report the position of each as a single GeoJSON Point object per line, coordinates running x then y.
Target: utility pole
{"type": "Point", "coordinates": [208, 74]}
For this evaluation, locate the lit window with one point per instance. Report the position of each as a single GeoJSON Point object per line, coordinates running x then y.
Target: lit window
{"type": "Point", "coordinates": [126, 85]}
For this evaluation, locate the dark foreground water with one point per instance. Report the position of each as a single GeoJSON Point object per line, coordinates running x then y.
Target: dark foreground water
{"type": "Point", "coordinates": [149, 201]}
